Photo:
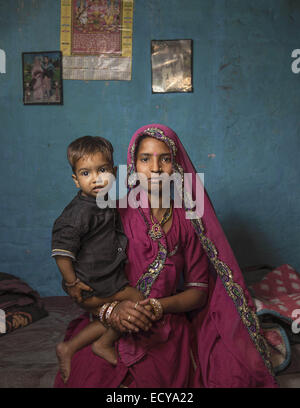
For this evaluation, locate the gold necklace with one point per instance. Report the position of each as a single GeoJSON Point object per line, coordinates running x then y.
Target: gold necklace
{"type": "Point", "coordinates": [156, 231]}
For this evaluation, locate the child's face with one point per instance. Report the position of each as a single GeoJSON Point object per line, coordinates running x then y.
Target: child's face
{"type": "Point", "coordinates": [93, 174]}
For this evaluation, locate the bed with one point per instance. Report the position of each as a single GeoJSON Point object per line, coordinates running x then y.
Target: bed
{"type": "Point", "coordinates": [27, 355]}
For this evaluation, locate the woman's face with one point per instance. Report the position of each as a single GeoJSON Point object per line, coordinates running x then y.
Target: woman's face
{"type": "Point", "coordinates": [153, 160]}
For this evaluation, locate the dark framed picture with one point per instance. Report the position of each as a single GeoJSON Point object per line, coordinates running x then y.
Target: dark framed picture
{"type": "Point", "coordinates": [42, 78]}
{"type": "Point", "coordinates": [171, 62]}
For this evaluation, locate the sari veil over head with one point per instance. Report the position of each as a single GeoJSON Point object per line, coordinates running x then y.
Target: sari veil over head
{"type": "Point", "coordinates": [232, 350]}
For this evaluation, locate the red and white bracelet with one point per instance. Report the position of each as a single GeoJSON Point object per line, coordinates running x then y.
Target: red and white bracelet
{"type": "Point", "coordinates": [109, 311]}
{"type": "Point", "coordinates": [102, 312]}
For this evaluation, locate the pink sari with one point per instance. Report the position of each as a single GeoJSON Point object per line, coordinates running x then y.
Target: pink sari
{"type": "Point", "coordinates": [221, 345]}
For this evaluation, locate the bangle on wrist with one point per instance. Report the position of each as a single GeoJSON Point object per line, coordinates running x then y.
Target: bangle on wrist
{"type": "Point", "coordinates": [72, 284]}
{"type": "Point", "coordinates": [102, 312]}
{"type": "Point", "coordinates": [109, 311]}
{"type": "Point", "coordinates": [157, 308]}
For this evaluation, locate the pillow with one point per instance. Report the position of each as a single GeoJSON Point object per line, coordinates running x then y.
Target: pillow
{"type": "Point", "coordinates": [19, 303]}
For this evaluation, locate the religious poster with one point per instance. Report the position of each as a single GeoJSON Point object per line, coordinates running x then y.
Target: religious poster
{"type": "Point", "coordinates": [96, 39]}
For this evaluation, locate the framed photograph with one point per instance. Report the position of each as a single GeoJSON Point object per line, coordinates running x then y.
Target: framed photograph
{"type": "Point", "coordinates": [171, 62]}
{"type": "Point", "coordinates": [42, 78]}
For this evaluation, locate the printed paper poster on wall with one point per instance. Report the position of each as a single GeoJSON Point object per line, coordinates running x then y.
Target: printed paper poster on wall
{"type": "Point", "coordinates": [96, 39]}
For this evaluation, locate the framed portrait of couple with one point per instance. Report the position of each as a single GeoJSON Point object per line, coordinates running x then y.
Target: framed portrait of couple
{"type": "Point", "coordinates": [42, 78]}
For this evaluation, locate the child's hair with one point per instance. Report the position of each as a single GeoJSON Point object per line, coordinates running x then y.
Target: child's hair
{"type": "Point", "coordinates": [87, 146]}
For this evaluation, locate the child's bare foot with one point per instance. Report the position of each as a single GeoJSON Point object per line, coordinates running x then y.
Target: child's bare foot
{"type": "Point", "coordinates": [105, 351]}
{"type": "Point", "coordinates": [64, 355]}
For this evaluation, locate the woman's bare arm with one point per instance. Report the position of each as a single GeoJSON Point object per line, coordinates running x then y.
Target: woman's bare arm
{"type": "Point", "coordinates": [186, 301]}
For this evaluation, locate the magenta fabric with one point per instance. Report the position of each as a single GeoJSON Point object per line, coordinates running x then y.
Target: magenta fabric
{"type": "Point", "coordinates": [152, 358]}
{"type": "Point", "coordinates": [214, 347]}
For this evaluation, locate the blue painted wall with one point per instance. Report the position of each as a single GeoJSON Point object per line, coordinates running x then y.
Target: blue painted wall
{"type": "Point", "coordinates": [240, 126]}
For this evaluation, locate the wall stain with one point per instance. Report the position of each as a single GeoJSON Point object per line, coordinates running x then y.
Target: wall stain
{"type": "Point", "coordinates": [224, 66]}
{"type": "Point", "coordinates": [225, 87]}
{"type": "Point", "coordinates": [239, 21]}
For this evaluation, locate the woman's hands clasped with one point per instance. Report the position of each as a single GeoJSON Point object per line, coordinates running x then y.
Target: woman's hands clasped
{"type": "Point", "coordinates": [131, 316]}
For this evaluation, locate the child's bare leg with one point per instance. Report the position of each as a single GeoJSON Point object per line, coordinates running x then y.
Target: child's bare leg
{"type": "Point", "coordinates": [105, 346]}
{"type": "Point", "coordinates": [66, 350]}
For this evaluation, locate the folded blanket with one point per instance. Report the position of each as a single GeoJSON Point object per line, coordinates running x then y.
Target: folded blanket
{"type": "Point", "coordinates": [20, 305]}
{"type": "Point", "coordinates": [277, 301]}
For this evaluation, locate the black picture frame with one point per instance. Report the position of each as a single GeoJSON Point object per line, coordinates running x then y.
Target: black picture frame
{"type": "Point", "coordinates": [172, 66]}
{"type": "Point", "coordinates": [42, 78]}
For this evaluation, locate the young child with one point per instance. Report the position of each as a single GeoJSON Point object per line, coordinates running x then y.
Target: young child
{"type": "Point", "coordinates": [89, 244]}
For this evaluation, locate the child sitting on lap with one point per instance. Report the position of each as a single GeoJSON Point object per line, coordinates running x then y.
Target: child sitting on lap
{"type": "Point", "coordinates": [89, 245]}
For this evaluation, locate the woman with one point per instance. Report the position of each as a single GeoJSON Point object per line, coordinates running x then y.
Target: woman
{"type": "Point", "coordinates": [37, 79]}
{"type": "Point", "coordinates": [48, 72]}
{"type": "Point", "coordinates": [220, 343]}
